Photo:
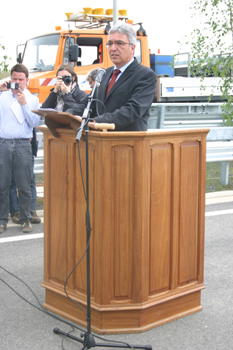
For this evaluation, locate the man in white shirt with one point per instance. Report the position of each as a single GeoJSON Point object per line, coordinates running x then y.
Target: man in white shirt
{"type": "Point", "coordinates": [16, 124]}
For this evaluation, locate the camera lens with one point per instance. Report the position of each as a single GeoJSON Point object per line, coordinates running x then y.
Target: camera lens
{"type": "Point", "coordinates": [67, 79]}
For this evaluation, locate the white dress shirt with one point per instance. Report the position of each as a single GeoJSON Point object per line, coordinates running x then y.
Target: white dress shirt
{"type": "Point", "coordinates": [17, 121]}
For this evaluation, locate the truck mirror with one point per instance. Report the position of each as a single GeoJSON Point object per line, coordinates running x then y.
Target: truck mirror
{"type": "Point", "coordinates": [73, 53]}
{"type": "Point", "coordinates": [19, 58]}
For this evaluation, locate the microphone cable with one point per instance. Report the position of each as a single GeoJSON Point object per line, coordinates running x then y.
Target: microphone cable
{"type": "Point", "coordinates": [43, 310]}
{"type": "Point", "coordinates": [40, 307]}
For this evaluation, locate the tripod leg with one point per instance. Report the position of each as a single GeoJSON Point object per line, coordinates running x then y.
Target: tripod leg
{"type": "Point", "coordinates": [89, 342]}
{"type": "Point", "coordinates": [68, 335]}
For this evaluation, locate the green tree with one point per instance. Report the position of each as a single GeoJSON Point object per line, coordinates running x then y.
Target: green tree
{"type": "Point", "coordinates": [3, 64]}
{"type": "Point", "coordinates": [212, 47]}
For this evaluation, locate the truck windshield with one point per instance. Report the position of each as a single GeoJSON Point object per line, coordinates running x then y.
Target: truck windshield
{"type": "Point", "coordinates": [40, 53]}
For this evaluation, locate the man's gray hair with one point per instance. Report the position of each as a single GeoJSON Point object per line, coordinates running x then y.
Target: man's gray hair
{"type": "Point", "coordinates": [125, 29]}
{"type": "Point", "coordinates": [93, 74]}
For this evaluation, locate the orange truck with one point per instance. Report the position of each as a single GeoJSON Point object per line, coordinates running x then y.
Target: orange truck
{"type": "Point", "coordinates": [84, 47]}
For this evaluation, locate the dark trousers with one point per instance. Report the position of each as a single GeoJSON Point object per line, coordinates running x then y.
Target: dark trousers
{"type": "Point", "coordinates": [14, 203]}
{"type": "Point", "coordinates": [15, 155]}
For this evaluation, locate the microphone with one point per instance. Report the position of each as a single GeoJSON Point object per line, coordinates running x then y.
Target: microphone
{"type": "Point", "coordinates": [100, 75]}
{"type": "Point", "coordinates": [86, 111]}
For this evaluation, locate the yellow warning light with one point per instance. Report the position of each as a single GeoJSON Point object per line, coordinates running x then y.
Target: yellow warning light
{"type": "Point", "coordinates": [122, 12]}
{"type": "Point", "coordinates": [129, 21]}
{"type": "Point", "coordinates": [68, 14]}
{"type": "Point", "coordinates": [58, 28]}
{"type": "Point", "coordinates": [109, 12]}
{"type": "Point", "coordinates": [87, 10]}
{"type": "Point", "coordinates": [98, 11]}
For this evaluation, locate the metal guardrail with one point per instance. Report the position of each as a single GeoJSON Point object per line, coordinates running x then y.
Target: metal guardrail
{"type": "Point", "coordinates": [39, 160]}
{"type": "Point", "coordinates": [39, 163]}
{"type": "Point", "coordinates": [198, 115]}
{"type": "Point", "coordinates": [40, 135]}
{"type": "Point", "coordinates": [179, 115]}
{"type": "Point", "coordinates": [219, 151]}
{"type": "Point", "coordinates": [183, 116]}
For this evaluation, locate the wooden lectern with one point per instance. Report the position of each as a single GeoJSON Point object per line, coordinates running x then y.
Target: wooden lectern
{"type": "Point", "coordinates": [147, 203]}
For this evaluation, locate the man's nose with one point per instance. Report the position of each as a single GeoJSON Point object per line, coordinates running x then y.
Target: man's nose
{"type": "Point", "coordinates": [114, 46]}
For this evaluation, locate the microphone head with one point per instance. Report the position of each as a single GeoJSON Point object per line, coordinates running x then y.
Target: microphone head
{"type": "Point", "coordinates": [100, 75]}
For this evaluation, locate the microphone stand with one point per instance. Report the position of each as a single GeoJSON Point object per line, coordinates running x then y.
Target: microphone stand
{"type": "Point", "coordinates": [88, 340]}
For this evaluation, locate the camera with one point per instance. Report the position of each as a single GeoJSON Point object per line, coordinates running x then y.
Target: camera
{"type": "Point", "coordinates": [13, 86]}
{"type": "Point", "coordinates": [67, 79]}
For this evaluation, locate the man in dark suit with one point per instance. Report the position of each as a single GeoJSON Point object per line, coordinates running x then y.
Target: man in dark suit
{"type": "Point", "coordinates": [128, 102]}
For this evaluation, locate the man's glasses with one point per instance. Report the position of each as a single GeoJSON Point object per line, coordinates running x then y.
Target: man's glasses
{"type": "Point", "coordinates": [117, 43]}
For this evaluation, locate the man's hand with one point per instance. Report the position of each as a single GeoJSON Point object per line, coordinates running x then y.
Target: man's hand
{"type": "Point", "coordinates": [20, 96]}
{"type": "Point", "coordinates": [3, 86]}
{"type": "Point", "coordinates": [92, 124]}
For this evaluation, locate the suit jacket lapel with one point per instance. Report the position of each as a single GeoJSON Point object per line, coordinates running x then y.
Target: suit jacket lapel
{"type": "Point", "coordinates": [104, 83]}
{"type": "Point", "coordinates": [127, 73]}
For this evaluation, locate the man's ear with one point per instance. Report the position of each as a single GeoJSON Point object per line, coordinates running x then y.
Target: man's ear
{"type": "Point", "coordinates": [133, 47]}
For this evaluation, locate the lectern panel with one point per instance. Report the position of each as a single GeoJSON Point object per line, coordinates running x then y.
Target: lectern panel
{"type": "Point", "coordinates": [160, 218]}
{"type": "Point", "coordinates": [80, 216]}
{"type": "Point", "coordinates": [58, 186]}
{"type": "Point", "coordinates": [189, 214]}
{"type": "Point", "coordinates": [122, 221]}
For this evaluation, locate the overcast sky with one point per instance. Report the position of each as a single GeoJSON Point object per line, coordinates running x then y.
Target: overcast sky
{"type": "Point", "coordinates": [165, 22]}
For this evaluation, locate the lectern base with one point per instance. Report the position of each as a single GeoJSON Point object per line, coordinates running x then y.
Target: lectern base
{"type": "Point", "coordinates": [124, 319]}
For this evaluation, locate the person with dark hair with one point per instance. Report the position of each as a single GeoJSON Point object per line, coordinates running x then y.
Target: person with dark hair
{"type": "Point", "coordinates": [66, 93]}
{"type": "Point", "coordinates": [16, 129]}
{"type": "Point", "coordinates": [127, 89]}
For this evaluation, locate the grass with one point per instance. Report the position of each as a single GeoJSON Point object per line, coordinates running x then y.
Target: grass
{"type": "Point", "coordinates": [213, 173]}
{"type": "Point", "coordinates": [40, 200]}
{"type": "Point", "coordinates": [39, 180]}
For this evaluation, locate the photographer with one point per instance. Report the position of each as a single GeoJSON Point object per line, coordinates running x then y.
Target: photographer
{"type": "Point", "coordinates": [16, 129]}
{"type": "Point", "coordinates": [66, 93]}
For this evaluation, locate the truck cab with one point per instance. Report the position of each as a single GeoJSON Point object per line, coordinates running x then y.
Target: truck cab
{"type": "Point", "coordinates": [84, 47]}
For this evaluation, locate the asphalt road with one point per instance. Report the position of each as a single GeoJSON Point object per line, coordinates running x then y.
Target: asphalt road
{"type": "Point", "coordinates": [25, 327]}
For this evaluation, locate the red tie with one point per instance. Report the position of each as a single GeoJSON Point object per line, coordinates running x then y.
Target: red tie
{"type": "Point", "coordinates": [112, 81]}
